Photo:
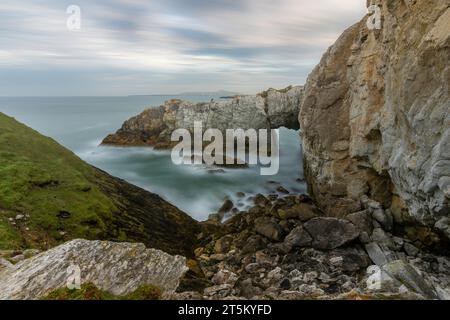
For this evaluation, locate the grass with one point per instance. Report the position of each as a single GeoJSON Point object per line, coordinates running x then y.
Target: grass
{"type": "Point", "coordinates": [89, 291]}
{"type": "Point", "coordinates": [48, 184]}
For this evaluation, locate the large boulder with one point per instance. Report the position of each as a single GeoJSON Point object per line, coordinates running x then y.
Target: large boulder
{"type": "Point", "coordinates": [330, 233]}
{"type": "Point", "coordinates": [119, 268]}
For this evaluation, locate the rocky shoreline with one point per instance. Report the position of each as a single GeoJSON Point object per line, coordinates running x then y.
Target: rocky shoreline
{"type": "Point", "coordinates": [374, 121]}
{"type": "Point", "coordinates": [287, 248]}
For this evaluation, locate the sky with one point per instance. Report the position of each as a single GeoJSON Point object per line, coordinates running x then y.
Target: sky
{"type": "Point", "coordinates": [130, 47]}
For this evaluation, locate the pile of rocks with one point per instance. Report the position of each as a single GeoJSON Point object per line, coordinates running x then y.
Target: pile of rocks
{"type": "Point", "coordinates": [286, 248]}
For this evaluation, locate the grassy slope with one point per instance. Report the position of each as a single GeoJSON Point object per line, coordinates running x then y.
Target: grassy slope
{"type": "Point", "coordinates": [61, 198]}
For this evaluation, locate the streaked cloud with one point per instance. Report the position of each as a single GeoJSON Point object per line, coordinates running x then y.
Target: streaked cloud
{"type": "Point", "coordinates": [165, 46]}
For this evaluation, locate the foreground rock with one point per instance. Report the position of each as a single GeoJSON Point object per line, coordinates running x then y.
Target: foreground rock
{"type": "Point", "coordinates": [374, 116]}
{"type": "Point", "coordinates": [153, 127]}
{"type": "Point", "coordinates": [118, 268]}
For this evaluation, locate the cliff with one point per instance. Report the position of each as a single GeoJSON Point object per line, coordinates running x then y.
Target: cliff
{"type": "Point", "coordinates": [49, 196]}
{"type": "Point", "coordinates": [154, 126]}
{"type": "Point", "coordinates": [375, 121]}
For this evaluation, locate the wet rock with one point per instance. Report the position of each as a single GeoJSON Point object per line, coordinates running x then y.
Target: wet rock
{"type": "Point", "coordinates": [226, 207]}
{"type": "Point", "coordinates": [261, 201]}
{"type": "Point", "coordinates": [282, 190]}
{"type": "Point", "coordinates": [331, 233]}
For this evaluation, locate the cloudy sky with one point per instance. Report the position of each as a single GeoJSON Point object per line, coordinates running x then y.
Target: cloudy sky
{"type": "Point", "coordinates": [165, 46]}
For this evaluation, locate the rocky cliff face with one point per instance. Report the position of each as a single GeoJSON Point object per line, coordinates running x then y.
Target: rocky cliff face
{"type": "Point", "coordinates": [375, 116]}
{"type": "Point", "coordinates": [153, 127]}
{"type": "Point", "coordinates": [118, 268]}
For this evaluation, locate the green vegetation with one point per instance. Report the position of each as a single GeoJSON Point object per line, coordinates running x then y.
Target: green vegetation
{"type": "Point", "coordinates": [89, 291]}
{"type": "Point", "coordinates": [49, 186]}
{"type": "Point", "coordinates": [48, 196]}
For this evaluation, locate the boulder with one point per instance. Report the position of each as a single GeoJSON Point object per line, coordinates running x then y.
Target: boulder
{"type": "Point", "coordinates": [298, 237]}
{"type": "Point", "coordinates": [330, 233]}
{"type": "Point", "coordinates": [119, 268]}
{"type": "Point", "coordinates": [269, 229]}
{"type": "Point", "coordinates": [405, 274]}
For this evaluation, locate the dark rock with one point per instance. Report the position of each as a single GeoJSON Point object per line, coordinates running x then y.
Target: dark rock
{"type": "Point", "coordinates": [223, 245]}
{"type": "Point", "coordinates": [302, 211]}
{"type": "Point", "coordinates": [261, 201]}
{"type": "Point", "coordinates": [226, 207]}
{"type": "Point", "coordinates": [410, 249]}
{"type": "Point", "coordinates": [269, 229]}
{"type": "Point", "coordinates": [331, 233]}
{"type": "Point", "coordinates": [362, 220]}
{"type": "Point", "coordinates": [254, 243]}
{"type": "Point", "coordinates": [298, 237]}
{"type": "Point", "coordinates": [285, 284]}
{"type": "Point", "coordinates": [283, 190]}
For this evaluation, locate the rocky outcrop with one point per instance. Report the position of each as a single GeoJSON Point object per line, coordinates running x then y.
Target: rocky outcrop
{"type": "Point", "coordinates": [264, 253]}
{"type": "Point", "coordinates": [375, 116]}
{"type": "Point", "coordinates": [118, 268]}
{"type": "Point", "coordinates": [153, 127]}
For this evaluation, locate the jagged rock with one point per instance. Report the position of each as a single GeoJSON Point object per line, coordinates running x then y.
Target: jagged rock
{"type": "Point", "coordinates": [410, 249]}
{"type": "Point", "coordinates": [377, 254]}
{"type": "Point", "coordinates": [298, 237]}
{"type": "Point", "coordinates": [405, 274]}
{"type": "Point", "coordinates": [301, 211]}
{"type": "Point", "coordinates": [375, 111]}
{"type": "Point", "coordinates": [384, 217]}
{"type": "Point", "coordinates": [226, 207]}
{"type": "Point", "coordinates": [223, 245]}
{"type": "Point", "coordinates": [269, 229]}
{"type": "Point", "coordinates": [330, 233]}
{"type": "Point", "coordinates": [119, 268]}
{"type": "Point", "coordinates": [154, 126]}
{"type": "Point", "coordinates": [224, 277]}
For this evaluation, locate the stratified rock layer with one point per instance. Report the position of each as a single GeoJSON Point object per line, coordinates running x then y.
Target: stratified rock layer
{"type": "Point", "coordinates": [375, 116]}
{"type": "Point", "coordinates": [153, 127]}
{"type": "Point", "coordinates": [119, 268]}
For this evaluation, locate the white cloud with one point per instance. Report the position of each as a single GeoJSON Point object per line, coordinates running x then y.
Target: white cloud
{"type": "Point", "coordinates": [251, 41]}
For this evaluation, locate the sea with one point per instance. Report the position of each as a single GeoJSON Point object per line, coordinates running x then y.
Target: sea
{"type": "Point", "coordinates": [81, 123]}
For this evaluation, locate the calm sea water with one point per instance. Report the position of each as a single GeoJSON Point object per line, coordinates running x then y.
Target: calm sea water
{"type": "Point", "coordinates": [80, 123]}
